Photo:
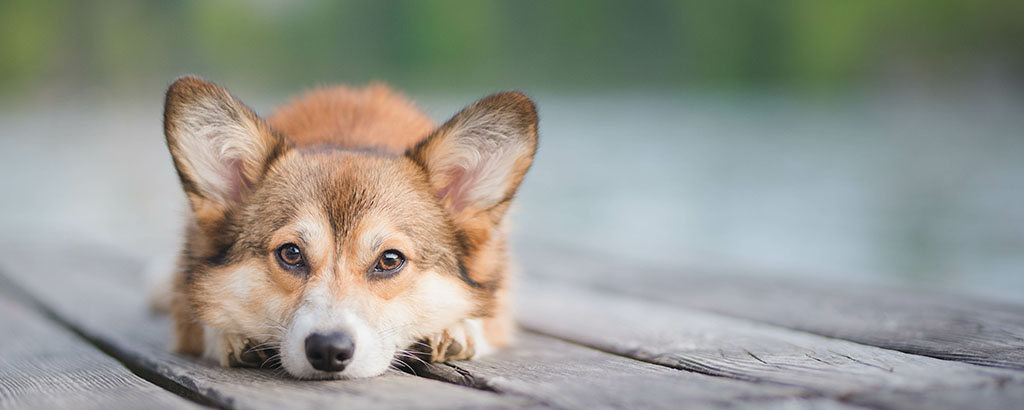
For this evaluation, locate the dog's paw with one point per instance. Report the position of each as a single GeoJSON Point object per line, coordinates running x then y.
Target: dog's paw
{"type": "Point", "coordinates": [454, 343]}
{"type": "Point", "coordinates": [464, 341]}
{"type": "Point", "coordinates": [235, 351]}
{"type": "Point", "coordinates": [254, 354]}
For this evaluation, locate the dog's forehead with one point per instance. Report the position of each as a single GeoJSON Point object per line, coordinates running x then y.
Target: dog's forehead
{"type": "Point", "coordinates": [344, 187]}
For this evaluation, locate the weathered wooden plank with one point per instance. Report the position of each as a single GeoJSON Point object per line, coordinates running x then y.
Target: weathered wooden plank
{"type": "Point", "coordinates": [45, 366]}
{"type": "Point", "coordinates": [738, 348]}
{"type": "Point", "coordinates": [539, 375]}
{"type": "Point", "coordinates": [539, 371]}
{"type": "Point", "coordinates": [911, 321]}
{"type": "Point", "coordinates": [101, 297]}
{"type": "Point", "coordinates": [565, 375]}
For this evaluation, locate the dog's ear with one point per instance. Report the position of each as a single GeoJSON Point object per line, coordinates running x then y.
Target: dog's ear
{"type": "Point", "coordinates": [477, 159]}
{"type": "Point", "coordinates": [220, 147]}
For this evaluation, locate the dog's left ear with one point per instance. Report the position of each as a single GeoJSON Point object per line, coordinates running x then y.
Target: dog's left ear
{"type": "Point", "coordinates": [477, 159]}
{"type": "Point", "coordinates": [220, 147]}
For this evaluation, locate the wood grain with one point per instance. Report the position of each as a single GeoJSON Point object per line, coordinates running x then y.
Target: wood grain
{"type": "Point", "coordinates": [45, 366]}
{"type": "Point", "coordinates": [741, 349]}
{"type": "Point", "coordinates": [912, 321]}
{"type": "Point", "coordinates": [93, 292]}
{"type": "Point", "coordinates": [728, 361]}
{"type": "Point", "coordinates": [564, 375]}
{"type": "Point", "coordinates": [101, 297]}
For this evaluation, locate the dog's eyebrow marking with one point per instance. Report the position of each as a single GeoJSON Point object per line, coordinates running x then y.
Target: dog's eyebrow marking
{"type": "Point", "coordinates": [309, 227]}
{"type": "Point", "coordinates": [378, 237]}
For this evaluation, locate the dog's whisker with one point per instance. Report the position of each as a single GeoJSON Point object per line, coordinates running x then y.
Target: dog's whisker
{"type": "Point", "coordinates": [411, 355]}
{"type": "Point", "coordinates": [393, 330]}
{"type": "Point", "coordinates": [267, 342]}
{"type": "Point", "coordinates": [406, 365]}
{"type": "Point", "coordinates": [274, 360]}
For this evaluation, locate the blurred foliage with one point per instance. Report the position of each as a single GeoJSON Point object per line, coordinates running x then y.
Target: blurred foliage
{"type": "Point", "coordinates": [451, 44]}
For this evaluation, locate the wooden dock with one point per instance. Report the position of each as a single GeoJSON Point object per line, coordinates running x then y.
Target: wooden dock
{"type": "Point", "coordinates": [595, 334]}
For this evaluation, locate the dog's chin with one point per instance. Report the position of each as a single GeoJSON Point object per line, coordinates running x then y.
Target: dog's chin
{"type": "Point", "coordinates": [353, 371]}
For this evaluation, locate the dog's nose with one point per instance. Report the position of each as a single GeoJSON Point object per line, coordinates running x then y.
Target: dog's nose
{"type": "Point", "coordinates": [329, 352]}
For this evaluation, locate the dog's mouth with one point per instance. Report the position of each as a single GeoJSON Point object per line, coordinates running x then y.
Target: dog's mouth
{"type": "Point", "coordinates": [267, 355]}
{"type": "Point", "coordinates": [261, 356]}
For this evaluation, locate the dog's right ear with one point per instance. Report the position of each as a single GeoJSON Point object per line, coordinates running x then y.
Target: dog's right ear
{"type": "Point", "coordinates": [220, 147]}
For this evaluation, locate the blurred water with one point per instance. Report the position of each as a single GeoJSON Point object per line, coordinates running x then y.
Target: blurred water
{"type": "Point", "coordinates": [899, 189]}
{"type": "Point", "coordinates": [904, 189]}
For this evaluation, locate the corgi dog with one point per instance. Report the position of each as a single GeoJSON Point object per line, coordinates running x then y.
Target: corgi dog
{"type": "Point", "coordinates": [345, 230]}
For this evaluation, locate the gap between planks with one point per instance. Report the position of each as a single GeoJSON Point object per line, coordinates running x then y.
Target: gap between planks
{"type": "Point", "coordinates": [89, 295]}
{"type": "Point", "coordinates": [93, 290]}
{"type": "Point", "coordinates": [566, 374]}
{"type": "Point", "coordinates": [21, 295]}
{"type": "Point", "coordinates": [575, 328]}
{"type": "Point", "coordinates": [49, 365]}
{"type": "Point", "coordinates": [931, 324]}
{"type": "Point", "coordinates": [741, 349]}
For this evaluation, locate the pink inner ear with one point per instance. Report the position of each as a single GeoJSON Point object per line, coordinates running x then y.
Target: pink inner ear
{"type": "Point", "coordinates": [237, 183]}
{"type": "Point", "coordinates": [456, 193]}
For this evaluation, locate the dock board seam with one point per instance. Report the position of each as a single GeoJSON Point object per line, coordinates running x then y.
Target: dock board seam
{"type": "Point", "coordinates": [194, 393]}
{"type": "Point", "coordinates": [697, 368]}
{"type": "Point", "coordinates": [16, 291]}
{"type": "Point", "coordinates": [467, 379]}
{"type": "Point", "coordinates": [662, 300]}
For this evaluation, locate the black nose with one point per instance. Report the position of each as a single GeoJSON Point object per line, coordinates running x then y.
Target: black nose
{"type": "Point", "coordinates": [329, 352]}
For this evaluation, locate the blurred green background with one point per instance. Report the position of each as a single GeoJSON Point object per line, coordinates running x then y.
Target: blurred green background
{"type": "Point", "coordinates": [799, 45]}
{"type": "Point", "coordinates": [855, 140]}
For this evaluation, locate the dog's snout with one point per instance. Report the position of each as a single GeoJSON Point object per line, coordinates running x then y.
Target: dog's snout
{"type": "Point", "coordinates": [329, 352]}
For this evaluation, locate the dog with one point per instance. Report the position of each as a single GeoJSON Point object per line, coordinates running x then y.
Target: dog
{"type": "Point", "coordinates": [346, 231]}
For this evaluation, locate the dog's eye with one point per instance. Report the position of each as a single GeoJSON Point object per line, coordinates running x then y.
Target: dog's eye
{"type": "Point", "coordinates": [389, 262]}
{"type": "Point", "coordinates": [290, 256]}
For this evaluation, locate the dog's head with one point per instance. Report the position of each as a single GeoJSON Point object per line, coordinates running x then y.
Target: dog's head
{"type": "Point", "coordinates": [340, 258]}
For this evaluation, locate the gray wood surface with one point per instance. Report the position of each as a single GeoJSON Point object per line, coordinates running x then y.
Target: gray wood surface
{"type": "Point", "coordinates": [586, 347]}
{"type": "Point", "coordinates": [742, 349]}
{"type": "Point", "coordinates": [101, 297]}
{"type": "Point", "coordinates": [43, 365]}
{"type": "Point", "coordinates": [93, 291]}
{"type": "Point", "coordinates": [912, 321]}
{"type": "Point", "coordinates": [566, 375]}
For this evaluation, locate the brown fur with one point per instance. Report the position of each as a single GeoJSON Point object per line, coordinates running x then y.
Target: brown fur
{"type": "Point", "coordinates": [360, 166]}
{"type": "Point", "coordinates": [371, 117]}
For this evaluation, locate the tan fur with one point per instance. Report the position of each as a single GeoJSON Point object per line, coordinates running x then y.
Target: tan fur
{"type": "Point", "coordinates": [353, 118]}
{"type": "Point", "coordinates": [347, 173]}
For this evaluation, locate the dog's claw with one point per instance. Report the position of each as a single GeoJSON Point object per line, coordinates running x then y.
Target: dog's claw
{"type": "Point", "coordinates": [453, 349]}
{"type": "Point", "coordinates": [455, 343]}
